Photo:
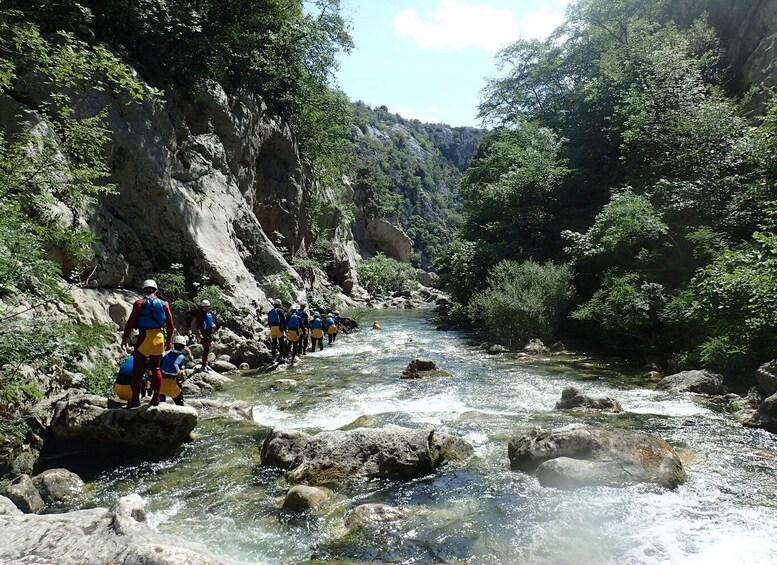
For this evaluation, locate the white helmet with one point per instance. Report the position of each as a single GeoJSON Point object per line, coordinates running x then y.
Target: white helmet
{"type": "Point", "coordinates": [149, 283]}
{"type": "Point", "coordinates": [180, 339]}
{"type": "Point", "coordinates": [277, 302]}
{"type": "Point", "coordinates": [205, 303]}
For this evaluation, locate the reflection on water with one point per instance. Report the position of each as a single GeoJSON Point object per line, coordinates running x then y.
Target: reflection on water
{"type": "Point", "coordinates": [214, 492]}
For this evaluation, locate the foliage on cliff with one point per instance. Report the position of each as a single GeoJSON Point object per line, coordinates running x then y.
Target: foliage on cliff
{"type": "Point", "coordinates": [408, 172]}
{"type": "Point", "coordinates": [617, 148]}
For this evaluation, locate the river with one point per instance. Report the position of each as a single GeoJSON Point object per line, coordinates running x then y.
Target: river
{"type": "Point", "coordinates": [214, 492]}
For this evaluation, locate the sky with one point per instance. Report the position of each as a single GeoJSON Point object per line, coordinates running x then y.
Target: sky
{"type": "Point", "coordinates": [429, 59]}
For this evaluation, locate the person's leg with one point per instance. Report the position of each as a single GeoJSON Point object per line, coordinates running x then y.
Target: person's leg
{"type": "Point", "coordinates": [206, 343]}
{"type": "Point", "coordinates": [155, 362]}
{"type": "Point", "coordinates": [138, 369]}
{"type": "Point", "coordinates": [274, 346]}
{"type": "Point", "coordinates": [179, 399]}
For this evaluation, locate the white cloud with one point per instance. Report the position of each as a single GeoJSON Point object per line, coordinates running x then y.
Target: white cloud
{"type": "Point", "coordinates": [540, 23]}
{"type": "Point", "coordinates": [458, 24]}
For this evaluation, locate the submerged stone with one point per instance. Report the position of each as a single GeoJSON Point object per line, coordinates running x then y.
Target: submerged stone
{"type": "Point", "coordinates": [573, 398]}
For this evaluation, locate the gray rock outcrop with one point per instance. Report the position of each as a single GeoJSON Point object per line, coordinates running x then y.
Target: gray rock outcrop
{"type": "Point", "coordinates": [766, 376]}
{"type": "Point", "coordinates": [86, 420]}
{"type": "Point", "coordinates": [96, 537]}
{"type": "Point", "coordinates": [536, 347]}
{"type": "Point", "coordinates": [766, 415]}
{"type": "Point", "coordinates": [580, 455]}
{"type": "Point", "coordinates": [24, 495]}
{"type": "Point", "coordinates": [339, 456]}
{"type": "Point", "coordinates": [422, 368]}
{"type": "Point", "coordinates": [701, 382]}
{"type": "Point", "coordinates": [384, 237]}
{"type": "Point", "coordinates": [572, 398]}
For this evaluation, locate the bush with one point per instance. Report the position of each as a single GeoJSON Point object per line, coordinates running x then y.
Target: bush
{"type": "Point", "coordinates": [382, 275]}
{"type": "Point", "coordinates": [523, 300]}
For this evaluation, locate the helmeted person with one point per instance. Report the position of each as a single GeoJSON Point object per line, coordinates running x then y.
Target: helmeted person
{"type": "Point", "coordinates": [294, 332]}
{"type": "Point", "coordinates": [376, 325]}
{"type": "Point", "coordinates": [152, 317]}
{"type": "Point", "coordinates": [304, 328]}
{"type": "Point", "coordinates": [317, 332]}
{"type": "Point", "coordinates": [205, 324]}
{"type": "Point", "coordinates": [331, 327]}
{"type": "Point", "coordinates": [174, 369]}
{"type": "Point", "coordinates": [276, 319]}
{"type": "Point", "coordinates": [339, 324]}
{"type": "Point", "coordinates": [122, 387]}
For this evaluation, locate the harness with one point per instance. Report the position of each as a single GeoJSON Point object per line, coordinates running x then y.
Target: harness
{"type": "Point", "coordinates": [153, 315]}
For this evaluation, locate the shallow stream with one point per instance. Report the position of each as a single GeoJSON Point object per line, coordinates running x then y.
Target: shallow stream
{"type": "Point", "coordinates": [214, 492]}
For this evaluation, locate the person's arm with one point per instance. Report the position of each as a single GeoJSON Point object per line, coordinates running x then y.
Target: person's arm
{"type": "Point", "coordinates": [180, 362]}
{"type": "Point", "coordinates": [131, 323]}
{"type": "Point", "coordinates": [170, 326]}
{"type": "Point", "coordinates": [198, 321]}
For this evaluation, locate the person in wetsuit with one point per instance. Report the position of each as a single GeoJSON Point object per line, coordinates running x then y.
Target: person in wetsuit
{"type": "Point", "coordinates": [317, 332]}
{"type": "Point", "coordinates": [276, 319]}
{"type": "Point", "coordinates": [152, 317]}
{"type": "Point", "coordinates": [294, 332]}
{"type": "Point", "coordinates": [331, 327]}
{"type": "Point", "coordinates": [173, 369]}
{"type": "Point", "coordinates": [205, 324]}
{"type": "Point", "coordinates": [304, 328]}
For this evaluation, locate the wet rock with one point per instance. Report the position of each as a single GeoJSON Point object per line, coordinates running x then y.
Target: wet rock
{"type": "Point", "coordinates": [421, 368]}
{"type": "Point", "coordinates": [58, 485]}
{"type": "Point", "coordinates": [573, 398]}
{"type": "Point", "coordinates": [581, 455]}
{"type": "Point", "coordinates": [24, 495]}
{"type": "Point", "coordinates": [766, 415]}
{"type": "Point", "coordinates": [702, 382]}
{"type": "Point", "coordinates": [496, 349]}
{"type": "Point", "coordinates": [766, 376]}
{"type": "Point", "coordinates": [372, 515]}
{"type": "Point", "coordinates": [95, 537]}
{"type": "Point", "coordinates": [285, 384]}
{"type": "Point", "coordinates": [558, 347]}
{"type": "Point", "coordinates": [86, 420]}
{"type": "Point", "coordinates": [222, 366]}
{"type": "Point", "coordinates": [303, 497]}
{"type": "Point", "coordinates": [253, 352]}
{"type": "Point", "coordinates": [536, 347]}
{"type": "Point", "coordinates": [339, 456]}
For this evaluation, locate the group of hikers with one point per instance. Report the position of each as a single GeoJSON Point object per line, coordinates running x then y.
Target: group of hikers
{"type": "Point", "coordinates": [150, 371]}
{"type": "Point", "coordinates": [290, 332]}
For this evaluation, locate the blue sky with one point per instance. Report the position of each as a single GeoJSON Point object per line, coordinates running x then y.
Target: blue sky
{"type": "Point", "coordinates": [428, 59]}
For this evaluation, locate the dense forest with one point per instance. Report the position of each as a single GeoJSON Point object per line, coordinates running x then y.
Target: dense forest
{"type": "Point", "coordinates": [626, 191]}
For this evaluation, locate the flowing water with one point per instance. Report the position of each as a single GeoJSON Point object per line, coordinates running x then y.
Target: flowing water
{"type": "Point", "coordinates": [214, 492]}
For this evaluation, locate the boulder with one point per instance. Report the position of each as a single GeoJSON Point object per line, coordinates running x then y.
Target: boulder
{"type": "Point", "coordinates": [420, 368]}
{"type": "Point", "coordinates": [581, 455]}
{"type": "Point", "coordinates": [95, 537]}
{"type": "Point", "coordinates": [338, 456]}
{"type": "Point", "coordinates": [536, 347]}
{"type": "Point", "coordinates": [8, 508]}
{"type": "Point", "coordinates": [24, 495]}
{"type": "Point", "coordinates": [427, 279]}
{"type": "Point", "coordinates": [86, 420]}
{"type": "Point", "coordinates": [303, 497]}
{"type": "Point", "coordinates": [223, 366]}
{"type": "Point", "coordinates": [573, 398]}
{"type": "Point", "coordinates": [196, 351]}
{"type": "Point", "coordinates": [495, 349]}
{"type": "Point", "coordinates": [702, 382]}
{"type": "Point", "coordinates": [766, 415]}
{"type": "Point", "coordinates": [253, 352]}
{"type": "Point", "coordinates": [58, 485]}
{"type": "Point", "coordinates": [372, 515]}
{"type": "Point", "coordinates": [285, 384]}
{"type": "Point", "coordinates": [766, 376]}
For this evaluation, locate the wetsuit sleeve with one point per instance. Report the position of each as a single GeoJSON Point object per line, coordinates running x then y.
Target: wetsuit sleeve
{"type": "Point", "coordinates": [169, 322]}
{"type": "Point", "coordinates": [179, 363]}
{"type": "Point", "coordinates": [132, 322]}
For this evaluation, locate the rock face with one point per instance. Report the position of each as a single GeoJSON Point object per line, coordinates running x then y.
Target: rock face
{"type": "Point", "coordinates": [766, 415]}
{"type": "Point", "coordinates": [573, 398]}
{"type": "Point", "coordinates": [580, 455]}
{"type": "Point", "coordinates": [303, 497]}
{"type": "Point", "coordinates": [421, 368]}
{"type": "Point", "coordinates": [383, 237]}
{"type": "Point", "coordinates": [365, 453]}
{"type": "Point", "coordinates": [86, 420]}
{"type": "Point", "coordinates": [766, 375]}
{"type": "Point", "coordinates": [96, 537]}
{"type": "Point", "coordinates": [702, 382]}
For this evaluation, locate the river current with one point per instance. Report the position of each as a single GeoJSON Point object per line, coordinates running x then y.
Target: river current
{"type": "Point", "coordinates": [214, 492]}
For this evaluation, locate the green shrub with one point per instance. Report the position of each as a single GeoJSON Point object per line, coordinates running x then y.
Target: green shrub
{"type": "Point", "coordinates": [381, 275]}
{"type": "Point", "coordinates": [100, 376]}
{"type": "Point", "coordinates": [523, 300]}
{"type": "Point", "coordinates": [281, 286]}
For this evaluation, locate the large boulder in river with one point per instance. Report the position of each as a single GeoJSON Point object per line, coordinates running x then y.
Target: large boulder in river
{"type": "Point", "coordinates": [85, 420]}
{"type": "Point", "coordinates": [572, 398]}
{"type": "Point", "coordinates": [95, 537]}
{"type": "Point", "coordinates": [304, 497]}
{"type": "Point", "coordinates": [766, 375]}
{"type": "Point", "coordinates": [420, 368]}
{"type": "Point", "coordinates": [24, 495]}
{"type": "Point", "coordinates": [766, 415]}
{"type": "Point", "coordinates": [536, 347]}
{"type": "Point", "coordinates": [58, 485]}
{"type": "Point", "coordinates": [581, 455]}
{"type": "Point", "coordinates": [364, 453]}
{"type": "Point", "coordinates": [702, 382]}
